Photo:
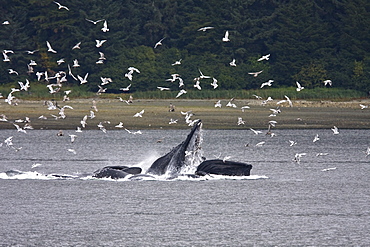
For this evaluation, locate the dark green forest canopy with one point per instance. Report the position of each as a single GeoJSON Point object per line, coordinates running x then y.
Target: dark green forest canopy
{"type": "Point", "coordinates": [310, 41]}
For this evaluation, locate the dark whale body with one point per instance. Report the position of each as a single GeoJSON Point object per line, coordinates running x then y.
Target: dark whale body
{"type": "Point", "coordinates": [173, 161]}
{"type": "Point", "coordinates": [116, 172]}
{"type": "Point", "coordinates": [220, 167]}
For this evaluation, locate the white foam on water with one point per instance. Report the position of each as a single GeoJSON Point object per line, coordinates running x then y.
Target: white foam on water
{"type": "Point", "coordinates": [148, 161]}
{"type": "Point", "coordinates": [15, 174]}
{"type": "Point", "coordinates": [221, 177]}
{"type": "Point", "coordinates": [24, 175]}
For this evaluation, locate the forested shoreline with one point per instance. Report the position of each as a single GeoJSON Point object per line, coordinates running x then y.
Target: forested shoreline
{"type": "Point", "coordinates": [310, 41]}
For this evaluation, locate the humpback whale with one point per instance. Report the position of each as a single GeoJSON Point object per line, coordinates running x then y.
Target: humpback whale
{"type": "Point", "coordinates": [116, 172]}
{"type": "Point", "coordinates": [220, 167]}
{"type": "Point", "coordinates": [182, 156]}
{"type": "Point", "coordinates": [186, 158]}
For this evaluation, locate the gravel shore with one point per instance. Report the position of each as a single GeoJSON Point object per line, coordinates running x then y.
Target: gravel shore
{"type": "Point", "coordinates": [110, 112]}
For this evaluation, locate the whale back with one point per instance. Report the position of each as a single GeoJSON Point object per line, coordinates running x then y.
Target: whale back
{"type": "Point", "coordinates": [220, 167]}
{"type": "Point", "coordinates": [116, 172]}
{"type": "Point", "coordinates": [175, 160]}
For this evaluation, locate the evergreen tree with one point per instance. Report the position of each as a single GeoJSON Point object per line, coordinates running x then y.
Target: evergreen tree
{"type": "Point", "coordinates": [309, 41]}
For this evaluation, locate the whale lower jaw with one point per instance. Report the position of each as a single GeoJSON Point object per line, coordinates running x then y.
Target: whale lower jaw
{"type": "Point", "coordinates": [182, 158]}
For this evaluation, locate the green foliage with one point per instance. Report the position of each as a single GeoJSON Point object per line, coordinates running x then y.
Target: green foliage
{"type": "Point", "coordinates": [275, 93]}
{"type": "Point", "coordinates": [311, 76]}
{"type": "Point", "coordinates": [39, 91]}
{"type": "Point", "coordinates": [309, 41]}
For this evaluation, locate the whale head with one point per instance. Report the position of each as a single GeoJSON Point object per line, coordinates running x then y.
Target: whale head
{"type": "Point", "coordinates": [183, 158]}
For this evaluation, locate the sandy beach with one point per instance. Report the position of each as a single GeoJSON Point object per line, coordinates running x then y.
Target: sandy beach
{"type": "Point", "coordinates": [110, 112]}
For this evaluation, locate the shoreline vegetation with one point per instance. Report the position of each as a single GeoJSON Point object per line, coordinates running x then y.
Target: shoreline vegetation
{"type": "Point", "coordinates": [304, 114]}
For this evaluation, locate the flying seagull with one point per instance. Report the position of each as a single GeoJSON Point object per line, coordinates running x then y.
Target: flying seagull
{"type": "Point", "coordinates": [158, 43]}
{"type": "Point", "coordinates": [218, 104]}
{"type": "Point", "coordinates": [205, 28]}
{"type": "Point", "coordinates": [256, 132]}
{"type": "Point", "coordinates": [129, 101]}
{"type": "Point", "coordinates": [297, 157]}
{"type": "Point", "coordinates": [163, 88]}
{"type": "Point", "coordinates": [173, 78]}
{"type": "Point", "coordinates": [83, 80]}
{"type": "Point", "coordinates": [257, 97]}
{"type": "Point", "coordinates": [101, 127]}
{"type": "Point", "coordinates": [139, 114]}
{"type": "Point", "coordinates": [240, 121]}
{"type": "Point", "coordinates": [299, 87]}
{"type": "Point", "coordinates": [6, 57]}
{"type": "Point", "coordinates": [77, 46]}
{"type": "Point", "coordinates": [316, 138]}
{"type": "Point", "coordinates": [202, 76]}
{"type": "Point", "coordinates": [292, 143]}
{"type": "Point", "coordinates": [19, 128]}
{"type": "Point", "coordinates": [182, 91]}
{"type": "Point", "coordinates": [226, 37]}
{"type": "Point", "coordinates": [214, 83]}
{"type": "Point", "coordinates": [173, 121]}
{"type": "Point", "coordinates": [125, 89]}
{"type": "Point", "coordinates": [73, 138]}
{"type": "Point", "coordinates": [24, 86]}
{"type": "Point", "coordinates": [101, 56]}
{"type": "Point", "coordinates": [268, 83]}
{"type": "Point", "coordinates": [101, 90]}
{"type": "Point", "coordinates": [131, 70]}
{"type": "Point", "coordinates": [244, 107]}
{"type": "Point", "coordinates": [367, 152]}
{"type": "Point", "coordinates": [134, 133]}
{"type": "Point", "coordinates": [197, 85]}
{"type": "Point", "coordinates": [94, 22]}
{"type": "Point", "coordinates": [335, 130]}
{"type": "Point", "coordinates": [75, 63]}
{"type": "Point", "coordinates": [233, 63]}
{"type": "Point", "coordinates": [328, 82]}
{"type": "Point", "coordinates": [12, 71]}
{"type": "Point", "coordinates": [92, 115]}
{"type": "Point", "coordinates": [255, 74]}
{"type": "Point", "coordinates": [50, 49]}
{"type": "Point", "coordinates": [105, 27]}
{"type": "Point", "coordinates": [363, 106]}
{"type": "Point", "coordinates": [265, 57]}
{"type": "Point", "coordinates": [60, 61]}
{"type": "Point", "coordinates": [83, 121]}
{"type": "Point", "coordinates": [32, 63]}
{"type": "Point", "coordinates": [260, 144]}
{"type": "Point", "coordinates": [32, 52]}
{"type": "Point", "coordinates": [99, 43]}
{"type": "Point", "coordinates": [105, 80]}
{"type": "Point", "coordinates": [178, 62]}
{"type": "Point", "coordinates": [289, 101]}
{"type": "Point", "coordinates": [230, 104]}
{"type": "Point", "coordinates": [61, 6]}
{"type": "Point", "coordinates": [120, 125]}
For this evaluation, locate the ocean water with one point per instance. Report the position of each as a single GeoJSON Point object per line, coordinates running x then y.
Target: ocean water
{"type": "Point", "coordinates": [321, 201]}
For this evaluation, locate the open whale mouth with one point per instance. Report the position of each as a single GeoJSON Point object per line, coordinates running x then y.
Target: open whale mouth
{"type": "Point", "coordinates": [183, 158]}
{"type": "Point", "coordinates": [189, 153]}
{"type": "Point", "coordinates": [193, 152]}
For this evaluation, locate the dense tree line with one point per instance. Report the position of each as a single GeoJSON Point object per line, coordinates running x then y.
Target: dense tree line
{"type": "Point", "coordinates": [309, 41]}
